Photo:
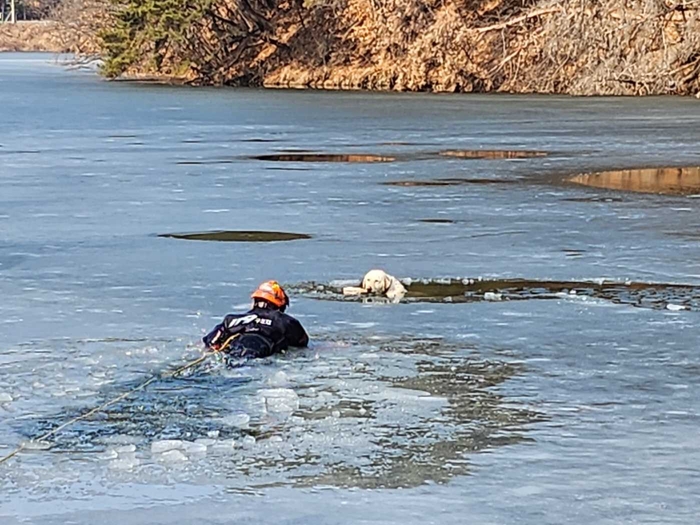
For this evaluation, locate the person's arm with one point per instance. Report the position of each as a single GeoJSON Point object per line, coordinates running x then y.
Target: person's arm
{"type": "Point", "coordinates": [222, 332]}
{"type": "Point", "coordinates": [216, 337]}
{"type": "Point", "coordinates": [295, 333]}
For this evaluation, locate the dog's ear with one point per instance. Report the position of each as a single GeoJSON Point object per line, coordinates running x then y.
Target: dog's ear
{"type": "Point", "coordinates": [367, 281]}
{"type": "Point", "coordinates": [387, 282]}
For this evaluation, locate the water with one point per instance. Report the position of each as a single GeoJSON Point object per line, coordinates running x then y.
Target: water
{"type": "Point", "coordinates": [576, 409]}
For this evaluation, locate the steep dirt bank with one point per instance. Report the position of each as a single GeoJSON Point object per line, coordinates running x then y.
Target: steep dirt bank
{"type": "Point", "coordinates": [618, 47]}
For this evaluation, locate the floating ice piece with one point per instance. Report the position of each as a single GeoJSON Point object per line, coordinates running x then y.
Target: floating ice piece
{"type": "Point", "coordinates": [109, 454]}
{"type": "Point", "coordinates": [280, 400]}
{"type": "Point", "coordinates": [5, 397]}
{"type": "Point", "coordinates": [128, 463]}
{"type": "Point", "coordinates": [248, 441]}
{"type": "Point", "coordinates": [236, 420]}
{"type": "Point", "coordinates": [126, 449]}
{"type": "Point", "coordinates": [36, 445]}
{"type": "Point", "coordinates": [675, 307]}
{"type": "Point", "coordinates": [491, 296]}
{"type": "Point", "coordinates": [173, 456]}
{"type": "Point", "coordinates": [213, 434]}
{"type": "Point", "coordinates": [279, 379]}
{"type": "Point", "coordinates": [207, 442]}
{"type": "Point", "coordinates": [166, 445]}
{"type": "Point", "coordinates": [120, 439]}
{"type": "Point", "coordinates": [195, 448]}
{"type": "Point", "coordinates": [224, 444]}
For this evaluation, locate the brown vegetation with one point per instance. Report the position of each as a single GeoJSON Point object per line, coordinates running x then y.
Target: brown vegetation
{"type": "Point", "coordinates": [622, 47]}
{"type": "Point", "coordinates": [32, 36]}
{"type": "Point", "coordinates": [67, 27]}
{"type": "Point", "coordinates": [592, 47]}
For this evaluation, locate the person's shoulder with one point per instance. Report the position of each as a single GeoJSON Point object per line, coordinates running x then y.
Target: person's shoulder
{"type": "Point", "coordinates": [233, 317]}
{"type": "Point", "coordinates": [286, 316]}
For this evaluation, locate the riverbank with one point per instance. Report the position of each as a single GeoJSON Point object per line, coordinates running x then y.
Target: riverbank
{"type": "Point", "coordinates": [564, 47]}
{"type": "Point", "coordinates": [549, 47]}
{"type": "Point", "coordinates": [47, 36]}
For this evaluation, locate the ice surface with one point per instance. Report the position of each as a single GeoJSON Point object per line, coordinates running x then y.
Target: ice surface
{"type": "Point", "coordinates": [166, 445]}
{"type": "Point", "coordinates": [675, 307]}
{"type": "Point", "coordinates": [195, 448]}
{"type": "Point", "coordinates": [224, 444]}
{"type": "Point", "coordinates": [236, 420]}
{"type": "Point", "coordinates": [279, 400]}
{"type": "Point", "coordinates": [125, 463]}
{"type": "Point", "coordinates": [279, 379]}
{"type": "Point", "coordinates": [36, 445]}
{"type": "Point", "coordinates": [535, 389]}
{"type": "Point", "coordinates": [173, 456]}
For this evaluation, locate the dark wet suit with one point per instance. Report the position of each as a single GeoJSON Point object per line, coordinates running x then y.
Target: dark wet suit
{"type": "Point", "coordinates": [260, 332]}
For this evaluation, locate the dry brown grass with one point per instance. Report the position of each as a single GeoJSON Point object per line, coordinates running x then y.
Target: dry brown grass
{"type": "Point", "coordinates": [594, 47]}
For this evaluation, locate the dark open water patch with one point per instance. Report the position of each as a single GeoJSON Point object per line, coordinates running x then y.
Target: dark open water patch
{"type": "Point", "coordinates": [684, 235]}
{"type": "Point", "coordinates": [453, 181]}
{"type": "Point", "coordinates": [203, 162]}
{"type": "Point", "coordinates": [646, 295]}
{"type": "Point", "coordinates": [238, 236]}
{"type": "Point", "coordinates": [437, 221]}
{"type": "Point", "coordinates": [286, 168]}
{"type": "Point", "coordinates": [310, 156]}
{"type": "Point", "coordinates": [405, 143]}
{"type": "Point", "coordinates": [596, 198]}
{"type": "Point", "coordinates": [324, 157]}
{"type": "Point", "coordinates": [22, 152]}
{"type": "Point", "coordinates": [491, 154]}
{"type": "Point", "coordinates": [666, 181]}
{"type": "Point", "coordinates": [574, 253]}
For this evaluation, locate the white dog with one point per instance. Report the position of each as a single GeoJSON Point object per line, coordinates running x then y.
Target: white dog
{"type": "Point", "coordinates": [379, 282]}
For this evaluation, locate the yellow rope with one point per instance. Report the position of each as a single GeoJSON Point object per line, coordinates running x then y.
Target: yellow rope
{"type": "Point", "coordinates": [86, 415]}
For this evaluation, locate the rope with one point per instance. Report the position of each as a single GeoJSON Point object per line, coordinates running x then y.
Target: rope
{"type": "Point", "coordinates": [86, 415]}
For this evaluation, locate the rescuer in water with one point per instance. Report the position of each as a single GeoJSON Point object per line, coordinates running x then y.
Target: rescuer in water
{"type": "Point", "coordinates": [262, 331]}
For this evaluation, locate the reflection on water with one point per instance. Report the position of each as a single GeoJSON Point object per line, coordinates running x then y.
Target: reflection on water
{"type": "Point", "coordinates": [307, 156]}
{"type": "Point", "coordinates": [647, 295]}
{"type": "Point", "coordinates": [323, 157]}
{"type": "Point", "coordinates": [492, 154]}
{"type": "Point", "coordinates": [238, 236]}
{"type": "Point", "coordinates": [392, 414]}
{"type": "Point", "coordinates": [669, 181]}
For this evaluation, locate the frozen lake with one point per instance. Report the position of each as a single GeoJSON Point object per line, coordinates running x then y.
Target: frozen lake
{"type": "Point", "coordinates": [582, 408]}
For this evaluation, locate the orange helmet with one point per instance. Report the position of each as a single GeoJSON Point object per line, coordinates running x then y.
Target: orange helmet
{"type": "Point", "coordinates": [272, 292]}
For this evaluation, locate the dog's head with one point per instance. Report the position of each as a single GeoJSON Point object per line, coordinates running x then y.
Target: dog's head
{"type": "Point", "coordinates": [376, 281]}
